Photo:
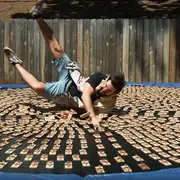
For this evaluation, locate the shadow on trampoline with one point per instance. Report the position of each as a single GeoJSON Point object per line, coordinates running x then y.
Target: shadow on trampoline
{"type": "Point", "coordinates": [21, 15]}
{"type": "Point", "coordinates": [49, 109]}
{"type": "Point", "coordinates": [56, 109]}
{"type": "Point", "coordinates": [120, 111]}
{"type": "Point", "coordinates": [79, 111]}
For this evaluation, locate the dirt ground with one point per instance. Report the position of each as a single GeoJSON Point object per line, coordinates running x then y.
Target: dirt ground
{"type": "Point", "coordinates": [10, 9]}
{"type": "Point", "coordinates": [7, 9]}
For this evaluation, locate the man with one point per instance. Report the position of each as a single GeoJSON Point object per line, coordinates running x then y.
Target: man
{"type": "Point", "coordinates": [71, 88]}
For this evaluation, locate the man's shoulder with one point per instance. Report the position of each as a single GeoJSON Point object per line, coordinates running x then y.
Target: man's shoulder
{"type": "Point", "coordinates": [99, 74]}
{"type": "Point", "coordinates": [95, 79]}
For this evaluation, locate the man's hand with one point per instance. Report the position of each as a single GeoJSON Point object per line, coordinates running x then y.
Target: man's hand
{"type": "Point", "coordinates": [64, 114]}
{"type": "Point", "coordinates": [95, 122]}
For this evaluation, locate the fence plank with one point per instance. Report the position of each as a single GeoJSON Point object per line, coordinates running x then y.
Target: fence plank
{"type": "Point", "coordinates": [145, 64]}
{"type": "Point", "coordinates": [178, 52]}
{"type": "Point", "coordinates": [61, 32]}
{"type": "Point", "coordinates": [6, 62]}
{"type": "Point", "coordinates": [86, 45]}
{"type": "Point", "coordinates": [74, 39]}
{"type": "Point", "coordinates": [42, 46]}
{"type": "Point", "coordinates": [125, 48]}
{"type": "Point", "coordinates": [80, 44]}
{"type": "Point", "coordinates": [112, 46]}
{"type": "Point", "coordinates": [30, 46]}
{"type": "Point", "coordinates": [119, 45]}
{"type": "Point", "coordinates": [152, 51]}
{"type": "Point", "coordinates": [172, 62]}
{"type": "Point", "coordinates": [159, 53]}
{"type": "Point", "coordinates": [165, 67]}
{"type": "Point", "coordinates": [67, 41]}
{"type": "Point", "coordinates": [132, 49]}
{"type": "Point", "coordinates": [19, 48]}
{"type": "Point", "coordinates": [36, 51]}
{"type": "Point", "coordinates": [48, 59]}
{"type": "Point", "coordinates": [99, 60]}
{"type": "Point", "coordinates": [2, 52]}
{"type": "Point", "coordinates": [55, 28]}
{"type": "Point", "coordinates": [106, 47]}
{"type": "Point", "coordinates": [139, 50]}
{"type": "Point", "coordinates": [24, 44]}
{"type": "Point", "coordinates": [12, 35]}
{"type": "Point", "coordinates": [93, 48]}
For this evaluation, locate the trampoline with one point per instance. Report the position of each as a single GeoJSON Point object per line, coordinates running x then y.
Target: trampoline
{"type": "Point", "coordinates": [141, 135]}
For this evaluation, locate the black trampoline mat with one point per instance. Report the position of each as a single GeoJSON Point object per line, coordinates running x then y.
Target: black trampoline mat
{"type": "Point", "coordinates": [141, 134]}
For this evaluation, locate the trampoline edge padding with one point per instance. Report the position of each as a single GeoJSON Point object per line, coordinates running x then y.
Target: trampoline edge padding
{"type": "Point", "coordinates": [13, 86]}
{"type": "Point", "coordinates": [165, 174]}
{"type": "Point", "coordinates": [169, 85]}
{"type": "Point", "coordinates": [23, 176]}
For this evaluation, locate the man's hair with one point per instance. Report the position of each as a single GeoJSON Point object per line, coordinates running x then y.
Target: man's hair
{"type": "Point", "coordinates": [118, 82]}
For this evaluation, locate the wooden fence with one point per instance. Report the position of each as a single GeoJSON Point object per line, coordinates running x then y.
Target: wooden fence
{"type": "Point", "coordinates": [146, 50]}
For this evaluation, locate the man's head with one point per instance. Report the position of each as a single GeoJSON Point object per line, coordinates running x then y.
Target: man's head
{"type": "Point", "coordinates": [113, 86]}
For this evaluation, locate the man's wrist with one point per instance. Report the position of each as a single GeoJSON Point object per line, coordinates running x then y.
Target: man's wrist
{"type": "Point", "coordinates": [92, 115]}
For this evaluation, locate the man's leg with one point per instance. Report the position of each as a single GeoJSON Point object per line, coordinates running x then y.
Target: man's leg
{"type": "Point", "coordinates": [37, 86]}
{"type": "Point", "coordinates": [56, 49]}
{"type": "Point", "coordinates": [36, 13]}
{"type": "Point", "coordinates": [61, 60]}
{"type": "Point", "coordinates": [34, 84]}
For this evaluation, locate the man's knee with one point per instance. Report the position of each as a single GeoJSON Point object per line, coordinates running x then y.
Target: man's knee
{"type": "Point", "coordinates": [56, 49]}
{"type": "Point", "coordinates": [39, 87]}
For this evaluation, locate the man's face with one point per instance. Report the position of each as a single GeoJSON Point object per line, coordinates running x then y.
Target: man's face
{"type": "Point", "coordinates": [107, 89]}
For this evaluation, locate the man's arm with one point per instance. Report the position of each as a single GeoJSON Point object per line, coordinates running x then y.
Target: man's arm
{"type": "Point", "coordinates": [86, 98]}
